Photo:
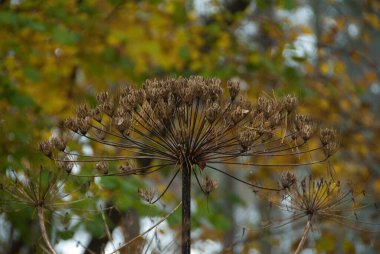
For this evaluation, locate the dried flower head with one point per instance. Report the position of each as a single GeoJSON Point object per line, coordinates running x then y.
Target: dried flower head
{"type": "Point", "coordinates": [313, 201]}
{"type": "Point", "coordinates": [318, 200]}
{"type": "Point", "coordinates": [233, 88]}
{"type": "Point", "coordinates": [187, 125]}
{"type": "Point", "coordinates": [58, 143]}
{"type": "Point", "coordinates": [102, 167]}
{"type": "Point", "coordinates": [329, 141]}
{"type": "Point", "coordinates": [147, 194]}
{"type": "Point", "coordinates": [208, 185]}
{"type": "Point", "coordinates": [46, 148]}
{"type": "Point", "coordinates": [287, 180]}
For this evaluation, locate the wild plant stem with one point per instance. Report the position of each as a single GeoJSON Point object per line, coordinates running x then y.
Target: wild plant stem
{"type": "Point", "coordinates": [304, 237]}
{"type": "Point", "coordinates": [41, 220]}
{"type": "Point", "coordinates": [148, 230]}
{"type": "Point", "coordinates": [186, 199]}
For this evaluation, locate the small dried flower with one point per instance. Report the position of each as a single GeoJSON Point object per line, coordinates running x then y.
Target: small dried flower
{"type": "Point", "coordinates": [122, 124]}
{"type": "Point", "coordinates": [208, 185]}
{"type": "Point", "coordinates": [330, 148]}
{"type": "Point", "coordinates": [58, 143]}
{"type": "Point", "coordinates": [327, 136]}
{"type": "Point", "coordinates": [287, 180]}
{"type": "Point", "coordinates": [46, 148]}
{"type": "Point", "coordinates": [83, 111]}
{"type": "Point", "coordinates": [108, 108]}
{"type": "Point", "coordinates": [72, 124]}
{"type": "Point", "coordinates": [247, 138]}
{"type": "Point", "coordinates": [84, 125]}
{"type": "Point", "coordinates": [102, 97]}
{"type": "Point", "coordinates": [126, 167]}
{"type": "Point", "coordinates": [289, 102]}
{"type": "Point", "coordinates": [212, 112]}
{"type": "Point", "coordinates": [305, 126]}
{"type": "Point", "coordinates": [233, 88]}
{"type": "Point", "coordinates": [97, 114]}
{"type": "Point", "coordinates": [147, 194]}
{"type": "Point", "coordinates": [102, 167]}
{"type": "Point", "coordinates": [66, 164]}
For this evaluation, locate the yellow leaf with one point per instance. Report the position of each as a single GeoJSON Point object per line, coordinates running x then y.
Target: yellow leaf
{"type": "Point", "coordinates": [339, 68]}
{"type": "Point", "coordinates": [324, 68]}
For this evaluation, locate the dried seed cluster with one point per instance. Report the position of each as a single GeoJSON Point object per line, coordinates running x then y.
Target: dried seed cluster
{"type": "Point", "coordinates": [177, 121]}
{"type": "Point", "coordinates": [317, 199]}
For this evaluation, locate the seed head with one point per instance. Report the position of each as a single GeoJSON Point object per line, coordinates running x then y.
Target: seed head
{"type": "Point", "coordinates": [178, 121]}
{"type": "Point", "coordinates": [65, 164]}
{"type": "Point", "coordinates": [212, 112]}
{"type": "Point", "coordinates": [208, 185]}
{"type": "Point", "coordinates": [97, 114]}
{"type": "Point", "coordinates": [83, 111]}
{"type": "Point", "coordinates": [126, 167]}
{"type": "Point", "coordinates": [102, 167]}
{"type": "Point", "coordinates": [84, 125]}
{"type": "Point", "coordinates": [71, 124]}
{"type": "Point", "coordinates": [58, 143]}
{"type": "Point", "coordinates": [46, 148]}
{"type": "Point", "coordinates": [247, 138]}
{"type": "Point", "coordinates": [289, 102]}
{"type": "Point", "coordinates": [102, 97]}
{"type": "Point", "coordinates": [327, 136]}
{"type": "Point", "coordinates": [304, 126]}
{"type": "Point", "coordinates": [233, 88]}
{"type": "Point", "coordinates": [147, 194]}
{"type": "Point", "coordinates": [287, 180]}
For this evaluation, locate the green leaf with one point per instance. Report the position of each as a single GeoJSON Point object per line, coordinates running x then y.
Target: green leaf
{"type": "Point", "coordinates": [62, 35]}
{"type": "Point", "coordinates": [32, 73]}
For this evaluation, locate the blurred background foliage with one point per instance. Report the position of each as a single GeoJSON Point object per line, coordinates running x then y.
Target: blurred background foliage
{"type": "Point", "coordinates": [56, 54]}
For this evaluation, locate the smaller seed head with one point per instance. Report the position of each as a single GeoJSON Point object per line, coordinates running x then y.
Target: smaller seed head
{"type": "Point", "coordinates": [289, 102]}
{"type": "Point", "coordinates": [287, 180]}
{"type": "Point", "coordinates": [214, 89]}
{"type": "Point", "coordinates": [330, 148]}
{"type": "Point", "coordinates": [83, 111]}
{"type": "Point", "coordinates": [327, 136]}
{"type": "Point", "coordinates": [102, 167]}
{"type": "Point", "coordinates": [102, 97]}
{"type": "Point", "coordinates": [212, 112]}
{"type": "Point", "coordinates": [208, 185]}
{"type": "Point", "coordinates": [71, 124]}
{"type": "Point", "coordinates": [84, 125]}
{"type": "Point", "coordinates": [126, 168]}
{"type": "Point", "coordinates": [122, 124]}
{"type": "Point", "coordinates": [108, 108]}
{"type": "Point", "coordinates": [233, 88]}
{"type": "Point", "coordinates": [66, 164]}
{"type": "Point", "coordinates": [58, 143]}
{"type": "Point", "coordinates": [307, 131]}
{"type": "Point", "coordinates": [46, 148]}
{"type": "Point", "coordinates": [97, 114]}
{"type": "Point", "coordinates": [305, 126]}
{"type": "Point", "coordinates": [246, 138]}
{"type": "Point", "coordinates": [238, 114]}
{"type": "Point", "coordinates": [147, 194]}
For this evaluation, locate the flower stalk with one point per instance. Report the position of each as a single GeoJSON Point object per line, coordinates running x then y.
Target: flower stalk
{"type": "Point", "coordinates": [186, 208]}
{"type": "Point", "coordinates": [304, 237]}
{"type": "Point", "coordinates": [41, 221]}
